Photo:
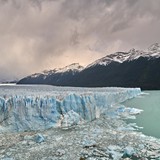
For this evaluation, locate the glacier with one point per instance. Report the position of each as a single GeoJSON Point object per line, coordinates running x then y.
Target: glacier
{"type": "Point", "coordinates": [26, 109]}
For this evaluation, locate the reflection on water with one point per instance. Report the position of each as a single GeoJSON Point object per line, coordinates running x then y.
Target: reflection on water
{"type": "Point", "coordinates": [149, 119]}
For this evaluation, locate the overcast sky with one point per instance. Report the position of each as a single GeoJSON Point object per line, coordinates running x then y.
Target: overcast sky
{"type": "Point", "coordinates": [44, 34]}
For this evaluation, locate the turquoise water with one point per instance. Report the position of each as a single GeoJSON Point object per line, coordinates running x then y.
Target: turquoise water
{"type": "Point", "coordinates": [149, 119]}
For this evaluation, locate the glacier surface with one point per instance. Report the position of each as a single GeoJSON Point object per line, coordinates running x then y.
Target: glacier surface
{"type": "Point", "coordinates": [32, 108]}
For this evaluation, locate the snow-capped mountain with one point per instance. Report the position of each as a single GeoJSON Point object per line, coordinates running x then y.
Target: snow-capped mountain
{"type": "Point", "coordinates": [75, 67]}
{"type": "Point", "coordinates": [134, 68]}
{"type": "Point", "coordinates": [55, 76]}
{"type": "Point", "coordinates": [152, 52]}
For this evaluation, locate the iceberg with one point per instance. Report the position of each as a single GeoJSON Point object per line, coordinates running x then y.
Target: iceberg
{"type": "Point", "coordinates": [25, 110]}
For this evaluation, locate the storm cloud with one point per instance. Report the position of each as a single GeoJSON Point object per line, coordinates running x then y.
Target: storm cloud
{"type": "Point", "coordinates": [43, 34]}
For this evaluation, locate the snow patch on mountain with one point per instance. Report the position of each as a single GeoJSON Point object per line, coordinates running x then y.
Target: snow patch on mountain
{"type": "Point", "coordinates": [73, 67]}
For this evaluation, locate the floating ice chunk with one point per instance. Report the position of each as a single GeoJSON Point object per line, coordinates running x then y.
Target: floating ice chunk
{"type": "Point", "coordinates": [60, 152]}
{"type": "Point", "coordinates": [120, 111]}
{"type": "Point", "coordinates": [129, 127]}
{"type": "Point", "coordinates": [39, 138]}
{"type": "Point", "coordinates": [113, 147]}
{"type": "Point", "coordinates": [129, 151]}
{"type": "Point", "coordinates": [7, 158]}
{"type": "Point", "coordinates": [134, 111]}
{"type": "Point", "coordinates": [71, 118]}
{"type": "Point", "coordinates": [123, 109]}
{"type": "Point", "coordinates": [89, 143]}
{"type": "Point", "coordinates": [115, 152]}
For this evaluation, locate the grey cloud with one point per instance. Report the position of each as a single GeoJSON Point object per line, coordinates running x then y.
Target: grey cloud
{"type": "Point", "coordinates": [75, 37]}
{"type": "Point", "coordinates": [38, 34]}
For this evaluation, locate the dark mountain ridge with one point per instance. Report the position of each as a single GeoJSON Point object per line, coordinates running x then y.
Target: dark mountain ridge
{"type": "Point", "coordinates": [121, 69]}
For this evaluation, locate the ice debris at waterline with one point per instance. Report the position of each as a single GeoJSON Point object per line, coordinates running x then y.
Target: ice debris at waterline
{"type": "Point", "coordinates": [63, 107]}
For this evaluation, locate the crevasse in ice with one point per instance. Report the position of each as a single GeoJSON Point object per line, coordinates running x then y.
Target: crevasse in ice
{"type": "Point", "coordinates": [58, 109]}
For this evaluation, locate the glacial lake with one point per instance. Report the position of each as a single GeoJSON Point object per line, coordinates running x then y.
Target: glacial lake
{"type": "Point", "coordinates": [149, 119]}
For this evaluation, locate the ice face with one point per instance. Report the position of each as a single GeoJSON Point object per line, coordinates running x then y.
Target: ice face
{"type": "Point", "coordinates": [62, 108]}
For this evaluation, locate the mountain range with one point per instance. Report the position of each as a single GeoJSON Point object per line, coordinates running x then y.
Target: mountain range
{"type": "Point", "coordinates": [134, 68]}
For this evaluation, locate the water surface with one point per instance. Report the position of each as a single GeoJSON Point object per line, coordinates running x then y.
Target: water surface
{"type": "Point", "coordinates": [149, 119]}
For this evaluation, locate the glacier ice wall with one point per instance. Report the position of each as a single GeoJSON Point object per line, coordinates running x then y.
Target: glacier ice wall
{"type": "Point", "coordinates": [58, 109]}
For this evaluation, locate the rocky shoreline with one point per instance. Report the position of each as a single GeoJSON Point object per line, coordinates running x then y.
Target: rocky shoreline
{"type": "Point", "coordinates": [102, 139]}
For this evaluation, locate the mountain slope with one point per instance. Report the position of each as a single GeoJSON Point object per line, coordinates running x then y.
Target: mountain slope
{"type": "Point", "coordinates": [121, 69]}
{"type": "Point", "coordinates": [142, 73]}
{"type": "Point", "coordinates": [58, 76]}
{"type": "Point", "coordinates": [152, 52]}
